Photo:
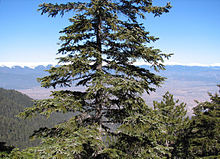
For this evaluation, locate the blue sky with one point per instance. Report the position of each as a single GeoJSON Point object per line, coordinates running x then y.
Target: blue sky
{"type": "Point", "coordinates": [191, 31]}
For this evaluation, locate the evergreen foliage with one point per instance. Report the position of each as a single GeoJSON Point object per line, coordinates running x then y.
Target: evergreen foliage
{"type": "Point", "coordinates": [15, 131]}
{"type": "Point", "coordinates": [101, 45]}
{"type": "Point", "coordinates": [173, 116]}
{"type": "Point", "coordinates": [204, 136]}
{"type": "Point", "coordinates": [5, 150]}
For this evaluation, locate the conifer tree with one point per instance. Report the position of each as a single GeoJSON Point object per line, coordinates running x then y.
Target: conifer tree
{"type": "Point", "coordinates": [173, 116]}
{"type": "Point", "coordinates": [99, 48]}
{"type": "Point", "coordinates": [203, 136]}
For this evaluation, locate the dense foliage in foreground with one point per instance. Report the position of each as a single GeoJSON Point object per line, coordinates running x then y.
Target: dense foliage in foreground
{"type": "Point", "coordinates": [203, 133]}
{"type": "Point", "coordinates": [197, 137]}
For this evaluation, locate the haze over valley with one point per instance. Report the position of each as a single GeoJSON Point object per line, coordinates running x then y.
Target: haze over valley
{"type": "Point", "coordinates": [187, 83]}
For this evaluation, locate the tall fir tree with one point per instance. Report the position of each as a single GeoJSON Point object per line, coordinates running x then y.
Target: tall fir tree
{"type": "Point", "coordinates": [111, 119]}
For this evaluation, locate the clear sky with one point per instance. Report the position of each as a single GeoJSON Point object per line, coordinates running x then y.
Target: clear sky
{"type": "Point", "coordinates": [191, 31]}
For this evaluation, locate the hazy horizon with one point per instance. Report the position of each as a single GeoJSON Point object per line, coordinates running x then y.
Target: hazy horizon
{"type": "Point", "coordinates": [35, 64]}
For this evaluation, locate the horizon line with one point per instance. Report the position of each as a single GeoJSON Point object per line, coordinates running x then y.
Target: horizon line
{"type": "Point", "coordinates": [35, 64]}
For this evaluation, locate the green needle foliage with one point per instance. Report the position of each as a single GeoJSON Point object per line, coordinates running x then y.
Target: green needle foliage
{"type": "Point", "coordinates": [204, 132]}
{"type": "Point", "coordinates": [99, 48]}
{"type": "Point", "coordinates": [173, 116]}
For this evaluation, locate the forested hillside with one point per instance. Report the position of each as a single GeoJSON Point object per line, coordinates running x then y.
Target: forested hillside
{"type": "Point", "coordinates": [16, 131]}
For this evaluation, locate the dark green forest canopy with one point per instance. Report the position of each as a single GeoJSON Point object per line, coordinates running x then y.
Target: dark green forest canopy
{"type": "Point", "coordinates": [15, 131]}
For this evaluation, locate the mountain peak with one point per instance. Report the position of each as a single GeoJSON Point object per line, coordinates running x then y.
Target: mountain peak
{"type": "Point", "coordinates": [25, 64]}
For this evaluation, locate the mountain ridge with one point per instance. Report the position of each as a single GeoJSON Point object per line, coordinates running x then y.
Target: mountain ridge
{"type": "Point", "coordinates": [18, 77]}
{"type": "Point", "coordinates": [33, 65]}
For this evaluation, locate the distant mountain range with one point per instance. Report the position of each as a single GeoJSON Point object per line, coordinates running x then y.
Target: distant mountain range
{"type": "Point", "coordinates": [18, 77]}
{"type": "Point", "coordinates": [187, 83]}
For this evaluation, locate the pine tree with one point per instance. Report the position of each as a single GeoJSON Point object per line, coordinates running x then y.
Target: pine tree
{"type": "Point", "coordinates": [203, 136]}
{"type": "Point", "coordinates": [99, 50]}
